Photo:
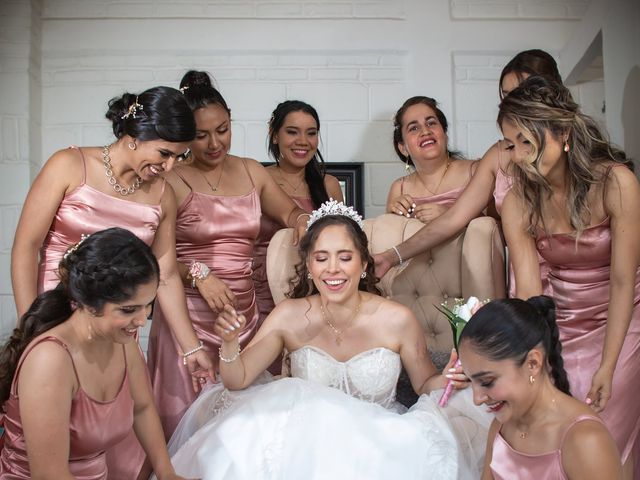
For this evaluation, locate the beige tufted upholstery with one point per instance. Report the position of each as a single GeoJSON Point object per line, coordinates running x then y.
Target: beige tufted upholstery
{"type": "Point", "coordinates": [470, 264]}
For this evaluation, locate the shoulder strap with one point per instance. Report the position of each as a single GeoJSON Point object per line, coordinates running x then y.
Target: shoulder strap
{"type": "Point", "coordinates": [50, 338]}
{"type": "Point", "coordinates": [181, 178]}
{"type": "Point", "coordinates": [402, 185]}
{"type": "Point", "coordinates": [578, 419]}
{"type": "Point", "coordinates": [244, 162]}
{"type": "Point", "coordinates": [84, 163]}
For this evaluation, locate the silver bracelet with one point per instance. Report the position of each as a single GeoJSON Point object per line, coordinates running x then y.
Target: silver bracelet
{"type": "Point", "coordinates": [395, 249]}
{"type": "Point", "coordinates": [191, 352]}
{"type": "Point", "coordinates": [229, 360]}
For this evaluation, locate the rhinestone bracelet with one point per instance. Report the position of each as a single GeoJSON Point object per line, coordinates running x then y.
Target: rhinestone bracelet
{"type": "Point", "coordinates": [229, 360]}
{"type": "Point", "coordinates": [191, 352]}
{"type": "Point", "coordinates": [395, 249]}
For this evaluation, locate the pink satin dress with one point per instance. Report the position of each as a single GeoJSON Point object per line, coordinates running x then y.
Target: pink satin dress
{"type": "Point", "coordinates": [580, 278]}
{"type": "Point", "coordinates": [86, 210]}
{"type": "Point", "coordinates": [219, 231]}
{"type": "Point", "coordinates": [510, 464]}
{"type": "Point", "coordinates": [502, 187]}
{"type": "Point", "coordinates": [94, 427]}
{"type": "Point", "coordinates": [268, 228]}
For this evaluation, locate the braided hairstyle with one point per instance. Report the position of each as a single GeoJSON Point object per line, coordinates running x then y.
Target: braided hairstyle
{"type": "Point", "coordinates": [314, 170]}
{"type": "Point", "coordinates": [509, 328]}
{"type": "Point", "coordinates": [159, 113]}
{"type": "Point", "coordinates": [303, 286]}
{"type": "Point", "coordinates": [108, 266]}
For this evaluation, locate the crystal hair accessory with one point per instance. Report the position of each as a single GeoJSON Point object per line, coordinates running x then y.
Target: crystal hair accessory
{"type": "Point", "coordinates": [331, 207]}
{"type": "Point", "coordinates": [73, 248]}
{"type": "Point", "coordinates": [184, 89]}
{"type": "Point", "coordinates": [134, 109]}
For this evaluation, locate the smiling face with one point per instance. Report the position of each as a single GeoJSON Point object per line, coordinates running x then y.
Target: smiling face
{"type": "Point", "coordinates": [423, 136]}
{"type": "Point", "coordinates": [119, 322]}
{"type": "Point", "coordinates": [523, 148]}
{"type": "Point", "coordinates": [297, 139]}
{"type": "Point", "coordinates": [213, 135]}
{"type": "Point", "coordinates": [154, 157]}
{"type": "Point", "coordinates": [335, 264]}
{"type": "Point", "coordinates": [501, 385]}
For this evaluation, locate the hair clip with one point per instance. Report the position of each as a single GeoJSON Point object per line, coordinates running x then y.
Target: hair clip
{"type": "Point", "coordinates": [73, 248]}
{"type": "Point", "coordinates": [184, 89]}
{"type": "Point", "coordinates": [133, 110]}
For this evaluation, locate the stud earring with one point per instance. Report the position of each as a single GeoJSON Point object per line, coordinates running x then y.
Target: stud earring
{"type": "Point", "coordinates": [363, 275]}
{"type": "Point", "coordinates": [309, 276]}
{"type": "Point", "coordinates": [132, 145]}
{"type": "Point", "coordinates": [532, 379]}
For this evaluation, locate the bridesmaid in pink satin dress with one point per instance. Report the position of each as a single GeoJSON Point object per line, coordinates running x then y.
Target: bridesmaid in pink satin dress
{"type": "Point", "coordinates": [511, 351]}
{"type": "Point", "coordinates": [421, 140]}
{"type": "Point", "coordinates": [294, 132]}
{"type": "Point", "coordinates": [586, 228]}
{"type": "Point", "coordinates": [220, 198]}
{"type": "Point", "coordinates": [83, 190]}
{"type": "Point", "coordinates": [487, 180]}
{"type": "Point", "coordinates": [74, 383]}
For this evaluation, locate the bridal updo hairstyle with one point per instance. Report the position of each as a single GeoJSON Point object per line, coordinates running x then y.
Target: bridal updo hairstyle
{"type": "Point", "coordinates": [509, 328]}
{"type": "Point", "coordinates": [314, 170]}
{"type": "Point", "coordinates": [108, 266]}
{"type": "Point", "coordinates": [303, 286]}
{"type": "Point", "coordinates": [199, 92]}
{"type": "Point", "coordinates": [159, 113]}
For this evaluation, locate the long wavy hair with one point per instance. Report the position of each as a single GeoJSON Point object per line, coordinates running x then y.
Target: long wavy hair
{"type": "Point", "coordinates": [540, 105]}
{"type": "Point", "coordinates": [314, 170]}
{"type": "Point", "coordinates": [303, 286]}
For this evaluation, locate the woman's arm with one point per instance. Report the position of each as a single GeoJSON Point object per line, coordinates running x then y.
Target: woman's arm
{"type": "Point", "coordinates": [469, 205]}
{"type": "Point", "coordinates": [170, 292]}
{"type": "Point", "coordinates": [522, 247]}
{"type": "Point", "coordinates": [60, 174]}
{"type": "Point", "coordinates": [622, 204]}
{"type": "Point", "coordinates": [46, 387]}
{"type": "Point", "coordinates": [241, 370]}
{"type": "Point", "coordinates": [333, 188]}
{"type": "Point", "coordinates": [589, 453]}
{"type": "Point", "coordinates": [146, 422]}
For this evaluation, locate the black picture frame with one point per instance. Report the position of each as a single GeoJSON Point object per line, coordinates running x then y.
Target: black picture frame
{"type": "Point", "coordinates": [350, 175]}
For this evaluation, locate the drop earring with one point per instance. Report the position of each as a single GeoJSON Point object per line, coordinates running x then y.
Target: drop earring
{"type": "Point", "coordinates": [566, 146]}
{"type": "Point", "coordinates": [532, 379]}
{"type": "Point", "coordinates": [309, 277]}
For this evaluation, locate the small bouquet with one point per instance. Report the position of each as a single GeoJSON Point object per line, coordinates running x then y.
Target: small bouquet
{"type": "Point", "coordinates": [458, 318]}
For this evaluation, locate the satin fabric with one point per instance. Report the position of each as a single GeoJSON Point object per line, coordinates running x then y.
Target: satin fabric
{"type": "Point", "coordinates": [580, 277]}
{"type": "Point", "coordinates": [334, 419]}
{"type": "Point", "coordinates": [446, 199]}
{"type": "Point", "coordinates": [509, 464]}
{"type": "Point", "coordinates": [219, 231]}
{"type": "Point", "coordinates": [94, 427]}
{"type": "Point", "coordinates": [268, 228]}
{"type": "Point", "coordinates": [502, 187]}
{"type": "Point", "coordinates": [86, 210]}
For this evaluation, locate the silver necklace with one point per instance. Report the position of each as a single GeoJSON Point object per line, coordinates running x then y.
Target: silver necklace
{"type": "Point", "coordinates": [108, 171]}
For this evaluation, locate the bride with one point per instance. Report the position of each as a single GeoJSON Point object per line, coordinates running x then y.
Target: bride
{"type": "Point", "coordinates": [336, 418]}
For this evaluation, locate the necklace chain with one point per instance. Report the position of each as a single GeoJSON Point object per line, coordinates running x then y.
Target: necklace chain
{"type": "Point", "coordinates": [108, 171]}
{"type": "Point", "coordinates": [295, 189]}
{"type": "Point", "coordinates": [214, 189]}
{"type": "Point", "coordinates": [338, 332]}
{"type": "Point", "coordinates": [434, 192]}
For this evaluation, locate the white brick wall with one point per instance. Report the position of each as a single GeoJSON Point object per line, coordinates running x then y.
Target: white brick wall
{"type": "Point", "coordinates": [356, 61]}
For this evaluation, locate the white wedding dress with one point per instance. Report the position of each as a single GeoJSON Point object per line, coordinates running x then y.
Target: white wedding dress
{"type": "Point", "coordinates": [332, 420]}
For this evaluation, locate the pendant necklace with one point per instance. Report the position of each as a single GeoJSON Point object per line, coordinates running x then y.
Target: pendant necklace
{"type": "Point", "coordinates": [295, 189]}
{"type": "Point", "coordinates": [434, 192]}
{"type": "Point", "coordinates": [339, 331]}
{"type": "Point", "coordinates": [214, 189]}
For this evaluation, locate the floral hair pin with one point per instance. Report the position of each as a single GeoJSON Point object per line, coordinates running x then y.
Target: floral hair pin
{"type": "Point", "coordinates": [73, 248]}
{"type": "Point", "coordinates": [133, 110]}
{"type": "Point", "coordinates": [332, 207]}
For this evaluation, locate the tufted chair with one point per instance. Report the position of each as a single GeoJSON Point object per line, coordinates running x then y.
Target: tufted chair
{"type": "Point", "coordinates": [471, 263]}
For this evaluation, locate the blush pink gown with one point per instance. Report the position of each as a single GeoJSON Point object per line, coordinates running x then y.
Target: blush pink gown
{"type": "Point", "coordinates": [580, 278]}
{"type": "Point", "coordinates": [268, 228]}
{"type": "Point", "coordinates": [509, 464]}
{"type": "Point", "coordinates": [86, 210]}
{"type": "Point", "coordinates": [93, 428]}
{"type": "Point", "coordinates": [219, 231]}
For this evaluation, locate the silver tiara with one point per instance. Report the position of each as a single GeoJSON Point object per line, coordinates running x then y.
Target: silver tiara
{"type": "Point", "coordinates": [331, 207]}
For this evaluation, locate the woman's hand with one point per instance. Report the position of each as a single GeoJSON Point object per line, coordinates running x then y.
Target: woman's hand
{"type": "Point", "coordinates": [300, 227]}
{"type": "Point", "coordinates": [600, 391]}
{"type": "Point", "coordinates": [200, 367]}
{"type": "Point", "coordinates": [453, 371]}
{"type": "Point", "coordinates": [402, 205]}
{"type": "Point", "coordinates": [428, 212]}
{"type": "Point", "coordinates": [215, 292]}
{"type": "Point", "coordinates": [229, 324]}
{"type": "Point", "coordinates": [382, 263]}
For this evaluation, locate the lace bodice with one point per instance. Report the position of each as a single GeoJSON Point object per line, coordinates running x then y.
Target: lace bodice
{"type": "Point", "coordinates": [371, 375]}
